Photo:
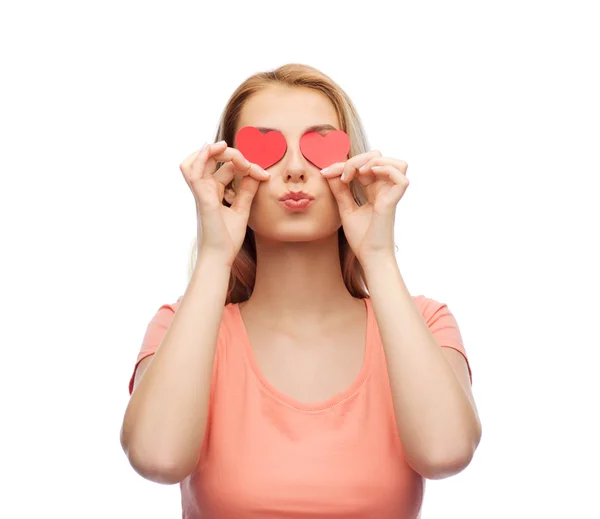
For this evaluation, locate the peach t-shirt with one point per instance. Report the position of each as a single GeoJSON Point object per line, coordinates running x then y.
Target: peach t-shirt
{"type": "Point", "coordinates": [266, 455]}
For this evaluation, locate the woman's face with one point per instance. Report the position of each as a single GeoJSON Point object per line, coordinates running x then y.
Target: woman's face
{"type": "Point", "coordinates": [292, 111]}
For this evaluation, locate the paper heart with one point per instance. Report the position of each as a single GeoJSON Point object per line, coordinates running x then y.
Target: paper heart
{"type": "Point", "coordinates": [262, 149]}
{"type": "Point", "coordinates": [324, 150]}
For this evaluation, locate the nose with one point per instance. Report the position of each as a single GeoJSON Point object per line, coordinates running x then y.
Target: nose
{"type": "Point", "coordinates": [295, 166]}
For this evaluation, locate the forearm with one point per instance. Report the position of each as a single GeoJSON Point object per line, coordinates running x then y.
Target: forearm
{"type": "Point", "coordinates": [166, 417]}
{"type": "Point", "coordinates": [437, 424]}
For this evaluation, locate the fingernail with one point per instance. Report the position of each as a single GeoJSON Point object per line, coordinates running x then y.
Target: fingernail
{"type": "Point", "coordinates": [325, 170]}
{"type": "Point", "coordinates": [266, 172]}
{"type": "Point", "coordinates": [342, 177]}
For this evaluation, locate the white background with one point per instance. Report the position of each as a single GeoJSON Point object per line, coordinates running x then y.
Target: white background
{"type": "Point", "coordinates": [495, 107]}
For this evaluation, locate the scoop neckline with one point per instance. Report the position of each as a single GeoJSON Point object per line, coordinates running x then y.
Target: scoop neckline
{"type": "Point", "coordinates": [292, 402]}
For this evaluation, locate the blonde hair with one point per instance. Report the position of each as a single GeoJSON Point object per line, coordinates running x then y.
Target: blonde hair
{"type": "Point", "coordinates": [243, 271]}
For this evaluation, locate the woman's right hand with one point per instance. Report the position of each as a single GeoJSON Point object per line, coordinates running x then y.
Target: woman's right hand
{"type": "Point", "coordinates": [221, 229]}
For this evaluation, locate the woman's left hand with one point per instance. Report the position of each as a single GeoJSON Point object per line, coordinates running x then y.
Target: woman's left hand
{"type": "Point", "coordinates": [369, 228]}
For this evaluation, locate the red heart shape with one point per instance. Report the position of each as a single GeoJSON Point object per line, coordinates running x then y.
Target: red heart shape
{"type": "Point", "coordinates": [264, 149]}
{"type": "Point", "coordinates": [324, 150]}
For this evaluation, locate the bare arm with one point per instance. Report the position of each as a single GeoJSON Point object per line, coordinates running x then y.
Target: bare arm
{"type": "Point", "coordinates": [165, 419]}
{"type": "Point", "coordinates": [436, 415]}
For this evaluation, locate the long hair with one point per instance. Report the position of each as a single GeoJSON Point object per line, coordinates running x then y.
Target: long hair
{"type": "Point", "coordinates": [243, 271]}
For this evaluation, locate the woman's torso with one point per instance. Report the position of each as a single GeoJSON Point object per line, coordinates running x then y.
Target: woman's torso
{"type": "Point", "coordinates": [270, 453]}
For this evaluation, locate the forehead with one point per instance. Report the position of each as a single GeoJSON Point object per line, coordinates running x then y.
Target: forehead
{"type": "Point", "coordinates": [289, 109]}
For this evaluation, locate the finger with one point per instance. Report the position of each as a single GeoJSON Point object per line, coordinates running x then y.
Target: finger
{"type": "Point", "coordinates": [225, 174]}
{"type": "Point", "coordinates": [186, 164]}
{"type": "Point", "coordinates": [389, 172]}
{"type": "Point", "coordinates": [343, 195]}
{"type": "Point", "coordinates": [254, 171]}
{"type": "Point", "coordinates": [356, 162]}
{"type": "Point", "coordinates": [244, 195]}
{"type": "Point", "coordinates": [383, 161]}
{"type": "Point", "coordinates": [401, 165]}
{"type": "Point", "coordinates": [228, 171]}
{"type": "Point", "coordinates": [335, 170]}
{"type": "Point", "coordinates": [235, 156]}
{"type": "Point", "coordinates": [196, 165]}
{"type": "Point", "coordinates": [203, 162]}
{"type": "Point", "coordinates": [242, 164]}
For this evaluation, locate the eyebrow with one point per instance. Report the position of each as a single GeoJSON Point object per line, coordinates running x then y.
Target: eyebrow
{"type": "Point", "coordinates": [315, 128]}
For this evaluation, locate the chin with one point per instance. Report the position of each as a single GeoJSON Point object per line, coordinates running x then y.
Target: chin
{"type": "Point", "coordinates": [272, 222]}
{"type": "Point", "coordinates": [294, 228]}
{"type": "Point", "coordinates": [294, 232]}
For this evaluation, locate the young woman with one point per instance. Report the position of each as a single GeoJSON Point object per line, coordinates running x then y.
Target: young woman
{"type": "Point", "coordinates": [297, 376]}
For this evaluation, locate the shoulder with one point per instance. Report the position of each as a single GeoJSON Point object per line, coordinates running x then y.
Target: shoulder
{"type": "Point", "coordinates": [164, 315]}
{"type": "Point", "coordinates": [429, 307]}
{"type": "Point", "coordinates": [446, 331]}
{"type": "Point", "coordinates": [440, 320]}
{"type": "Point", "coordinates": [228, 309]}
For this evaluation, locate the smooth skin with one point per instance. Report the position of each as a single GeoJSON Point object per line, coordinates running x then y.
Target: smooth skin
{"type": "Point", "coordinates": [299, 297]}
{"type": "Point", "coordinates": [172, 386]}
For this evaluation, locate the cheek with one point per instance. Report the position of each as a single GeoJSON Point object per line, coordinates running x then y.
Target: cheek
{"type": "Point", "coordinates": [259, 208]}
{"type": "Point", "coordinates": [332, 206]}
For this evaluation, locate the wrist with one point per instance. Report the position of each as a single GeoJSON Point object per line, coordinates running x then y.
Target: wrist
{"type": "Point", "coordinates": [213, 260]}
{"type": "Point", "coordinates": [377, 262]}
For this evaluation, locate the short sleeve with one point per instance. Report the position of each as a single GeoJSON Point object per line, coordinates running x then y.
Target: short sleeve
{"type": "Point", "coordinates": [155, 331]}
{"type": "Point", "coordinates": [443, 326]}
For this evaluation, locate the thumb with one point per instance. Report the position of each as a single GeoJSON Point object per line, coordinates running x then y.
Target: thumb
{"type": "Point", "coordinates": [244, 195]}
{"type": "Point", "coordinates": [343, 195]}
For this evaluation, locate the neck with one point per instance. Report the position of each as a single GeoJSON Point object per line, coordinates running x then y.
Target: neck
{"type": "Point", "coordinates": [299, 282]}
